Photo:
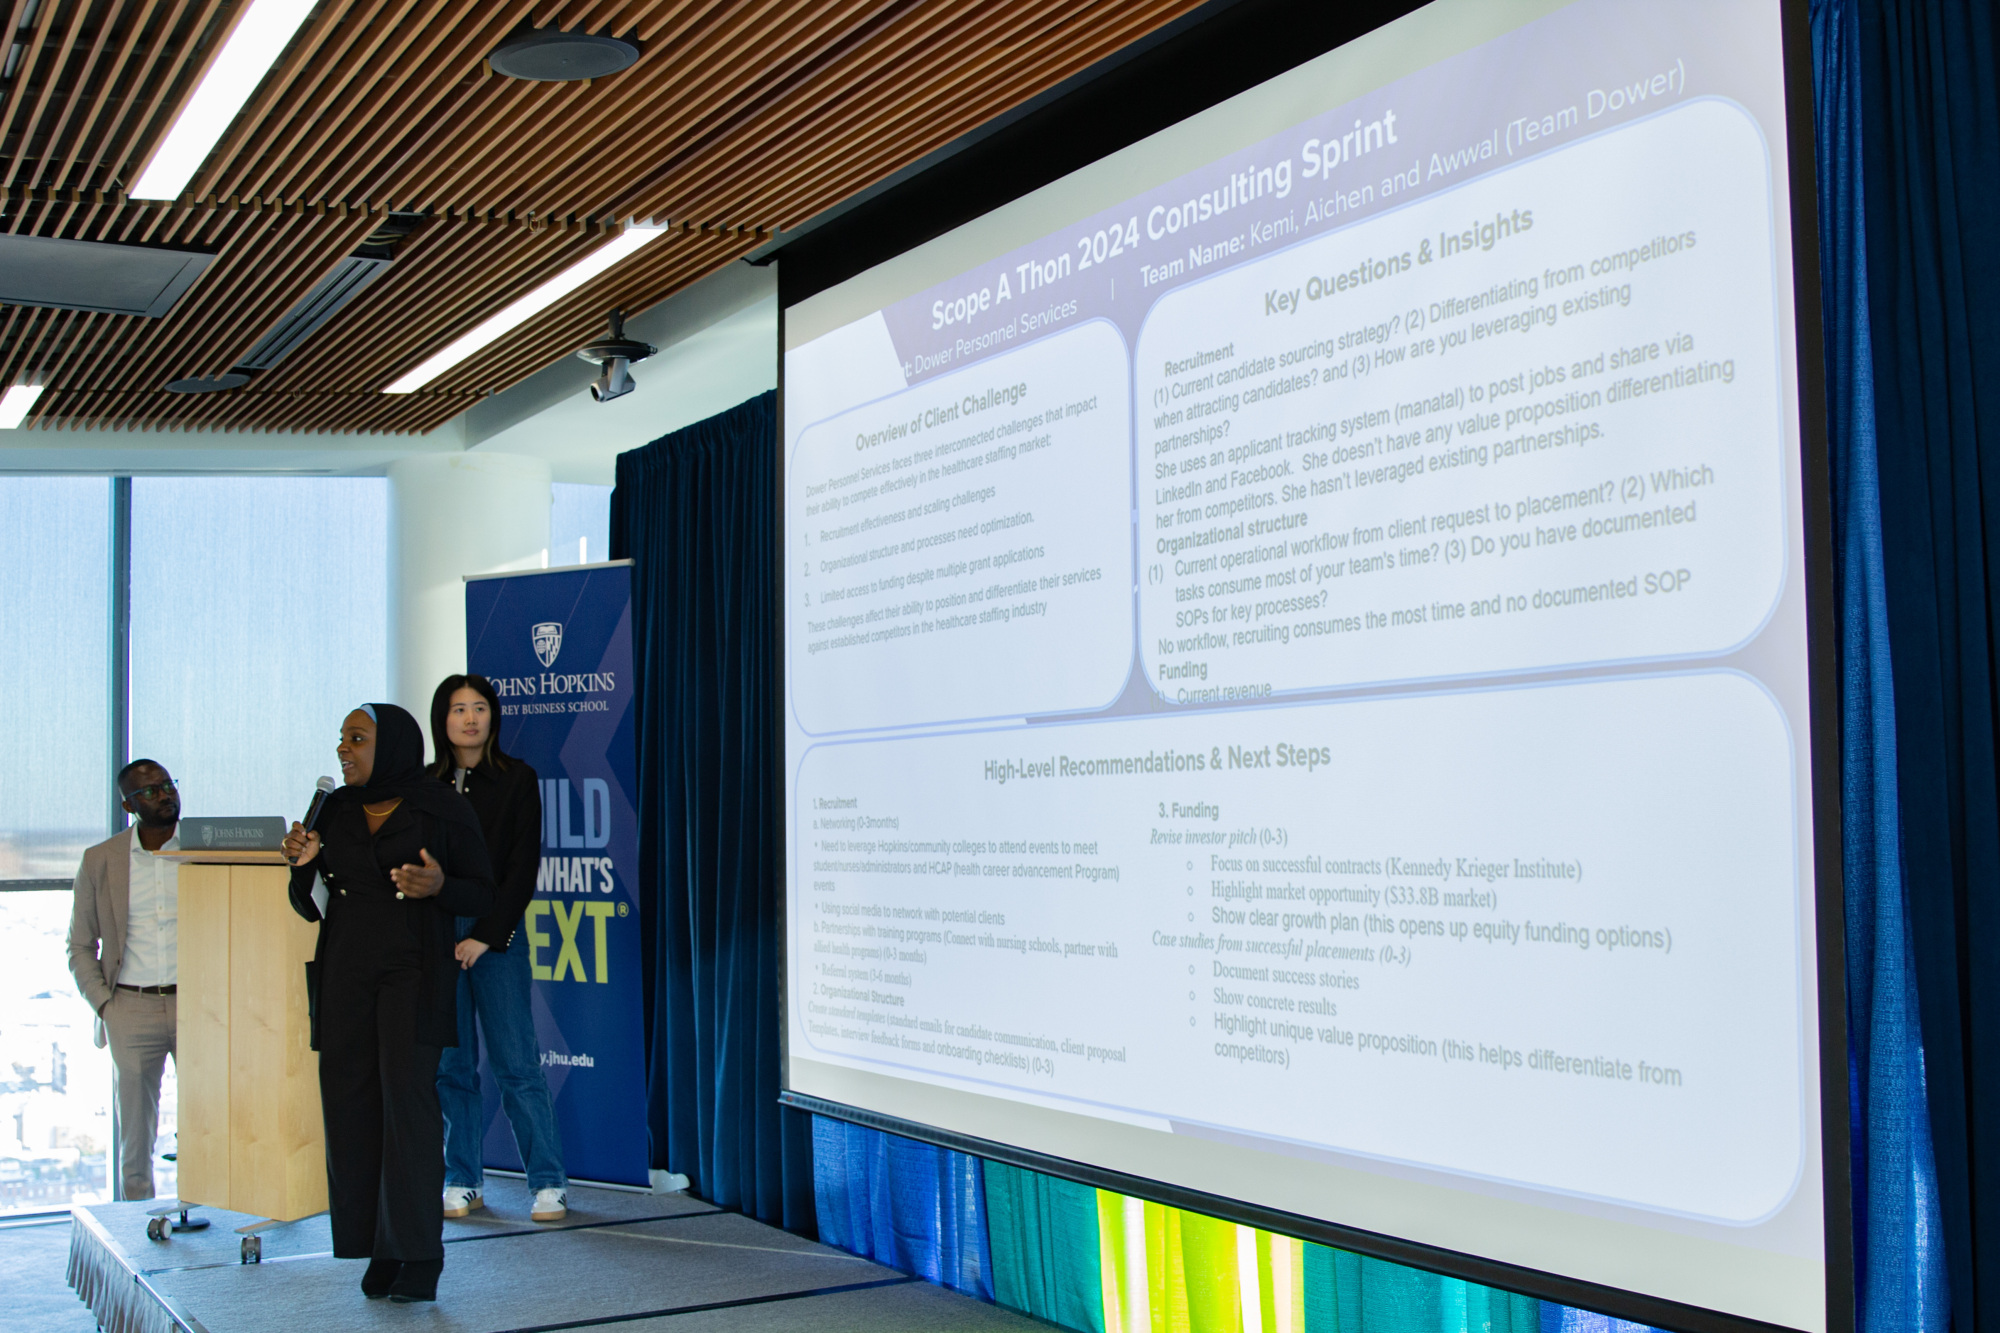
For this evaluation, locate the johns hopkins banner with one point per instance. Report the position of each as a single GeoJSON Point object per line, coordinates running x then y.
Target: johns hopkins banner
{"type": "Point", "coordinates": [557, 645]}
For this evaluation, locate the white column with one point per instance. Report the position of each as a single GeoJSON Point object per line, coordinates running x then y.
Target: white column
{"type": "Point", "coordinates": [451, 515]}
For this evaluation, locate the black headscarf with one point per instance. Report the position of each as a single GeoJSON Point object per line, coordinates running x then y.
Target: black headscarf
{"type": "Point", "coordinates": [399, 771]}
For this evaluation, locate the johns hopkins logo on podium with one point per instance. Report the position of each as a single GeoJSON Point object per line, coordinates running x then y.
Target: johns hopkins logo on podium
{"type": "Point", "coordinates": [548, 641]}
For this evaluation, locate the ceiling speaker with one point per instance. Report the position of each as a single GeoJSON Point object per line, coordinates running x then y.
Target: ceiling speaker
{"type": "Point", "coordinates": [550, 55]}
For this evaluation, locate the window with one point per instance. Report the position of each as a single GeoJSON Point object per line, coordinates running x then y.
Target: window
{"type": "Point", "coordinates": [257, 616]}
{"type": "Point", "coordinates": [55, 627]}
{"type": "Point", "coordinates": [579, 524]}
{"type": "Point", "coordinates": [55, 1085]}
{"type": "Point", "coordinates": [55, 784]}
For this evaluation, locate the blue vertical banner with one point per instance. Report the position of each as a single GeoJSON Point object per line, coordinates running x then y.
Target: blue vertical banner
{"type": "Point", "coordinates": [557, 645]}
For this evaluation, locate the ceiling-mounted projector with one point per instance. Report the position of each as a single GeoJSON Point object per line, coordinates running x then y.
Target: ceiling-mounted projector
{"type": "Point", "coordinates": [616, 355]}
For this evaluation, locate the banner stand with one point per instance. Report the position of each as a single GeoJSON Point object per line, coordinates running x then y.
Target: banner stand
{"type": "Point", "coordinates": [557, 645]}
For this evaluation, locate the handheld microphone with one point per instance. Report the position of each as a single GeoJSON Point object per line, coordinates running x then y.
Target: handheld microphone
{"type": "Point", "coordinates": [321, 790]}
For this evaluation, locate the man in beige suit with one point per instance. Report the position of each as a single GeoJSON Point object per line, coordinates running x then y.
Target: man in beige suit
{"type": "Point", "coordinates": [122, 949]}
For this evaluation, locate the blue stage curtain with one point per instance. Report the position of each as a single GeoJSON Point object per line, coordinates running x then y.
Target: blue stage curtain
{"type": "Point", "coordinates": [910, 1205]}
{"type": "Point", "coordinates": [1899, 1263]}
{"type": "Point", "coordinates": [1929, 76]}
{"type": "Point", "coordinates": [1563, 1319]}
{"type": "Point", "coordinates": [695, 511]}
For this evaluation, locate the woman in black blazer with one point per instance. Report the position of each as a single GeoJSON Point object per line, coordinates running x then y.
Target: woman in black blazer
{"type": "Point", "coordinates": [397, 857]}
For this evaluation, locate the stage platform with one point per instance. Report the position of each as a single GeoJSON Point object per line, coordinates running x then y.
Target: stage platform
{"type": "Point", "coordinates": [642, 1262]}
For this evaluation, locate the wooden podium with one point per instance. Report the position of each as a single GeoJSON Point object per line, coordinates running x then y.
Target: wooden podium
{"type": "Point", "coordinates": [250, 1132]}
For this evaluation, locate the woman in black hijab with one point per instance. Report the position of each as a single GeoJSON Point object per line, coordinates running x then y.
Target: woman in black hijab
{"type": "Point", "coordinates": [401, 858]}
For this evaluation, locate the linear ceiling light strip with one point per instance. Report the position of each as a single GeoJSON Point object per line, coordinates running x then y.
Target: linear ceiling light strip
{"type": "Point", "coordinates": [659, 272]}
{"type": "Point", "coordinates": [254, 45]}
{"type": "Point", "coordinates": [520, 311]}
{"type": "Point", "coordinates": [16, 403]}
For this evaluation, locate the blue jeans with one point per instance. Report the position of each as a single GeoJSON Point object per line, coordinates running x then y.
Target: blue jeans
{"type": "Point", "coordinates": [497, 988]}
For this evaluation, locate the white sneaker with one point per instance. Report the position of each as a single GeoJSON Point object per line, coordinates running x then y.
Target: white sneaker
{"type": "Point", "coordinates": [550, 1206]}
{"type": "Point", "coordinates": [460, 1200]}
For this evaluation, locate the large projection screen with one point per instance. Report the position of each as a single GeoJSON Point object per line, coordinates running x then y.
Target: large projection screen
{"type": "Point", "coordinates": [1394, 806]}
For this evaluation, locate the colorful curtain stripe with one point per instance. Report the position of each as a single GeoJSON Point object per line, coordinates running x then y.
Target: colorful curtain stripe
{"type": "Point", "coordinates": [1100, 1262]}
{"type": "Point", "coordinates": [1170, 1271]}
{"type": "Point", "coordinates": [1166, 1270]}
{"type": "Point", "coordinates": [1045, 1247]}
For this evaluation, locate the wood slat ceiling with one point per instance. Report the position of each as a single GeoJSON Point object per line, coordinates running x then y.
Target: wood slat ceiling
{"type": "Point", "coordinates": [739, 119]}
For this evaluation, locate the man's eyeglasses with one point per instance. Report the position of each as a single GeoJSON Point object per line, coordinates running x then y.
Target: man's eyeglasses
{"type": "Point", "coordinates": [152, 793]}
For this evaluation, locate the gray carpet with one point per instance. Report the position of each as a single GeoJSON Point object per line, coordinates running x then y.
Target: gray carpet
{"type": "Point", "coordinates": [33, 1294]}
{"type": "Point", "coordinates": [522, 1280]}
{"type": "Point", "coordinates": [626, 1261]}
{"type": "Point", "coordinates": [506, 1212]}
{"type": "Point", "coordinates": [907, 1307]}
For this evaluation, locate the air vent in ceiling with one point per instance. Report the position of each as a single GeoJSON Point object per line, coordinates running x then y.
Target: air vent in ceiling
{"type": "Point", "coordinates": [209, 383]}
{"type": "Point", "coordinates": [95, 275]}
{"type": "Point", "coordinates": [332, 292]}
{"type": "Point", "coordinates": [320, 304]}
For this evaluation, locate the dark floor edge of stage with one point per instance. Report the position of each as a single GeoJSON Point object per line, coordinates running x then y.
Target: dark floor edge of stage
{"type": "Point", "coordinates": [620, 1260]}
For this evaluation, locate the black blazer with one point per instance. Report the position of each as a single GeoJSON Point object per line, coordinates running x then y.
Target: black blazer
{"type": "Point", "coordinates": [467, 891]}
{"type": "Point", "coordinates": [508, 802]}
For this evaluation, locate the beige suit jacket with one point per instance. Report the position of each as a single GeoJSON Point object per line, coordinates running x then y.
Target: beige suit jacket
{"type": "Point", "coordinates": [101, 903]}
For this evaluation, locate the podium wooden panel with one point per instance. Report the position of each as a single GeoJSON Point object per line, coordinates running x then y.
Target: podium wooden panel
{"type": "Point", "coordinates": [250, 1132]}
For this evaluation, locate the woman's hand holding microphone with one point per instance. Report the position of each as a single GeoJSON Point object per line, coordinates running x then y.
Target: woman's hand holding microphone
{"type": "Point", "coordinates": [300, 846]}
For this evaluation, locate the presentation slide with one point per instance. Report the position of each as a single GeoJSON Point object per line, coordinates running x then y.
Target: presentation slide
{"type": "Point", "coordinates": [1296, 668]}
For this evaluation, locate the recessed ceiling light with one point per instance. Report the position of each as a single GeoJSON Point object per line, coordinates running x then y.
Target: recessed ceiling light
{"type": "Point", "coordinates": [550, 55]}
{"type": "Point", "coordinates": [234, 379]}
{"type": "Point", "coordinates": [16, 403]}
{"type": "Point", "coordinates": [254, 45]}
{"type": "Point", "coordinates": [525, 308]}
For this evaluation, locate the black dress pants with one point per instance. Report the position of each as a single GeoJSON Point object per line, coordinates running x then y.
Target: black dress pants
{"type": "Point", "coordinates": [378, 1087]}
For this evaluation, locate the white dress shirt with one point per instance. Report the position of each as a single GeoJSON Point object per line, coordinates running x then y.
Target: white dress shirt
{"type": "Point", "coordinates": [152, 921]}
